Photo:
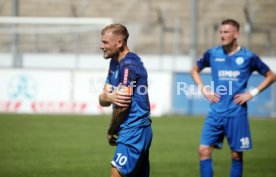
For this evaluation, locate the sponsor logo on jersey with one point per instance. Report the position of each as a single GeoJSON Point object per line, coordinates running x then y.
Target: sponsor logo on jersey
{"type": "Point", "coordinates": [125, 76]}
{"type": "Point", "coordinates": [220, 59]}
{"type": "Point", "coordinates": [228, 75]}
{"type": "Point", "coordinates": [239, 60]}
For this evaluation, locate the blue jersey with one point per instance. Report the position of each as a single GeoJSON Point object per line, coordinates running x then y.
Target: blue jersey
{"type": "Point", "coordinates": [230, 74]}
{"type": "Point", "coordinates": [130, 71]}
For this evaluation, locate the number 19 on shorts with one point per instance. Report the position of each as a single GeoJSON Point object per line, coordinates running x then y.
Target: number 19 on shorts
{"type": "Point", "coordinates": [245, 142]}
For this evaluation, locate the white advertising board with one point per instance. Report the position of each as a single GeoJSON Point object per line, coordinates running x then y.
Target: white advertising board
{"type": "Point", "coordinates": [160, 92]}
{"type": "Point", "coordinates": [67, 91]}
{"type": "Point", "coordinates": [34, 91]}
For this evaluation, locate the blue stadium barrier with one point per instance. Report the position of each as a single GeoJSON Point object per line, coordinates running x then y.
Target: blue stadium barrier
{"type": "Point", "coordinates": [186, 100]}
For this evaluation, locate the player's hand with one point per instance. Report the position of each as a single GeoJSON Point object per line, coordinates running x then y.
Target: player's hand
{"type": "Point", "coordinates": [121, 96]}
{"type": "Point", "coordinates": [242, 98]}
{"type": "Point", "coordinates": [111, 139]}
{"type": "Point", "coordinates": [210, 95]}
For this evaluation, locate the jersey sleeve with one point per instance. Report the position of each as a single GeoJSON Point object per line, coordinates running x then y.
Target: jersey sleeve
{"type": "Point", "coordinates": [259, 66]}
{"type": "Point", "coordinates": [204, 61]}
{"type": "Point", "coordinates": [128, 74]}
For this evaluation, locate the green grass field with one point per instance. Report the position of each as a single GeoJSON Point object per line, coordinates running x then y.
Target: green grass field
{"type": "Point", "coordinates": [76, 146]}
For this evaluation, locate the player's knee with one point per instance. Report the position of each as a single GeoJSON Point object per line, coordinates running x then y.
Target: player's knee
{"type": "Point", "coordinates": [204, 152]}
{"type": "Point", "coordinates": [236, 155]}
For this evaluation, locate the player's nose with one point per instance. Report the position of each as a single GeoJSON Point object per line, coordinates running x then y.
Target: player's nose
{"type": "Point", "coordinates": [101, 46]}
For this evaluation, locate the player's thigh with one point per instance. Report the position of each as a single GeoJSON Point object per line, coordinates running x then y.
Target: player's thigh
{"type": "Point", "coordinates": [115, 172]}
{"type": "Point", "coordinates": [144, 166]}
{"type": "Point", "coordinates": [212, 132]}
{"type": "Point", "coordinates": [237, 131]}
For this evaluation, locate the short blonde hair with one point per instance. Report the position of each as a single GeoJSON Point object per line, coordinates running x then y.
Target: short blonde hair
{"type": "Point", "coordinates": [117, 29]}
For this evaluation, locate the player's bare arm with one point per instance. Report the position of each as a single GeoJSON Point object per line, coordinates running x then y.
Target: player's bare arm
{"type": "Point", "coordinates": [244, 97]}
{"type": "Point", "coordinates": [118, 115]}
{"type": "Point", "coordinates": [209, 94]}
{"type": "Point", "coordinates": [109, 96]}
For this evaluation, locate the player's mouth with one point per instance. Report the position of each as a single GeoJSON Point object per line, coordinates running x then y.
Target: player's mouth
{"type": "Point", "coordinates": [223, 40]}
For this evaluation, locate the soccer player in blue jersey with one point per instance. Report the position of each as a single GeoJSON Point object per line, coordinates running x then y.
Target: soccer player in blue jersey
{"type": "Point", "coordinates": [231, 66]}
{"type": "Point", "coordinates": [126, 90]}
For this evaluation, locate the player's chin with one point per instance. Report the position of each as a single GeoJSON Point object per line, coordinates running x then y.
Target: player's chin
{"type": "Point", "coordinates": [223, 43]}
{"type": "Point", "coordinates": [106, 56]}
{"type": "Point", "coordinates": [226, 43]}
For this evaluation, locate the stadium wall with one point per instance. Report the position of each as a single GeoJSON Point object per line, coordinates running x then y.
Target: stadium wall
{"type": "Point", "coordinates": [68, 84]}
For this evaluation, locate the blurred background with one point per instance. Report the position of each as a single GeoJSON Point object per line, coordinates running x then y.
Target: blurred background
{"type": "Point", "coordinates": [50, 61]}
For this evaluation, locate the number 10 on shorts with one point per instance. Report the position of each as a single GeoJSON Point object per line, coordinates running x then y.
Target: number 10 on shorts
{"type": "Point", "coordinates": [121, 159]}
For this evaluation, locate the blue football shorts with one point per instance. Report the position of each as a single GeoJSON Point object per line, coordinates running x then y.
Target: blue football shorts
{"type": "Point", "coordinates": [235, 128]}
{"type": "Point", "coordinates": [131, 157]}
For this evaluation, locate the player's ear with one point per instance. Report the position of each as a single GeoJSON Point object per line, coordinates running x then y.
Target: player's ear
{"type": "Point", "coordinates": [237, 34]}
{"type": "Point", "coordinates": [119, 43]}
